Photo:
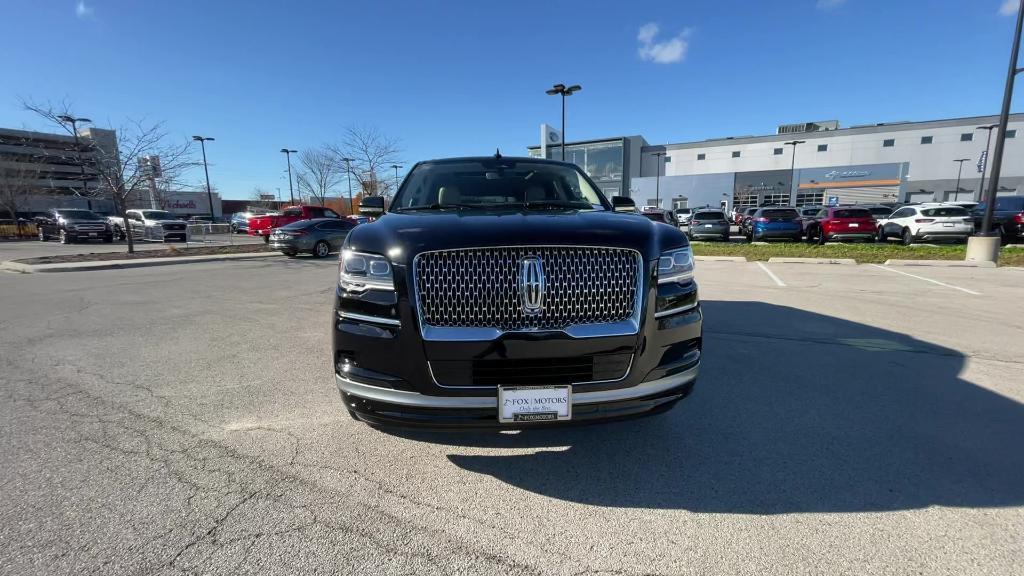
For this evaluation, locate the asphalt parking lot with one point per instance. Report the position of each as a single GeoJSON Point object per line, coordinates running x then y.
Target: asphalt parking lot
{"type": "Point", "coordinates": [184, 419]}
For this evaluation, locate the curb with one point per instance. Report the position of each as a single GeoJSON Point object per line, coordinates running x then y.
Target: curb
{"type": "Point", "coordinates": [942, 263]}
{"type": "Point", "coordinates": [136, 263]}
{"type": "Point", "coordinates": [720, 258]}
{"type": "Point", "coordinates": [786, 260]}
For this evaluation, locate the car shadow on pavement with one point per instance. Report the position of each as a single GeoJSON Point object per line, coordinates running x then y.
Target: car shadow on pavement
{"type": "Point", "coordinates": [794, 412]}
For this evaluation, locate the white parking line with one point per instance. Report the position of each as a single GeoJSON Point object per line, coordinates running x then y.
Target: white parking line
{"type": "Point", "coordinates": [770, 274]}
{"type": "Point", "coordinates": [928, 280]}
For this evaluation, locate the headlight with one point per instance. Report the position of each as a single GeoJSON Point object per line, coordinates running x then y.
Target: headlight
{"type": "Point", "coordinates": [675, 266]}
{"type": "Point", "coordinates": [360, 271]}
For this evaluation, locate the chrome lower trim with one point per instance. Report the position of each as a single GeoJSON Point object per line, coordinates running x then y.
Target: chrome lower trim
{"type": "Point", "coordinates": [372, 319]}
{"type": "Point", "coordinates": [405, 398]}
{"type": "Point", "coordinates": [672, 311]}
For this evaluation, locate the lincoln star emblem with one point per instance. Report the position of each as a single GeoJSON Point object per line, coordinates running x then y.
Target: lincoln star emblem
{"type": "Point", "coordinates": [531, 284]}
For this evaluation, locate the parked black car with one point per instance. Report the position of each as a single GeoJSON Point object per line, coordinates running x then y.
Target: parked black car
{"type": "Point", "coordinates": [1007, 217]}
{"type": "Point", "coordinates": [73, 225]}
{"type": "Point", "coordinates": [708, 223]}
{"type": "Point", "coordinates": [510, 292]}
{"type": "Point", "coordinates": [319, 236]}
{"type": "Point", "coordinates": [744, 225]}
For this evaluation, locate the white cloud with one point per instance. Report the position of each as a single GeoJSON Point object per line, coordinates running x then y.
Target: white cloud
{"type": "Point", "coordinates": [82, 10]}
{"type": "Point", "coordinates": [665, 52]}
{"type": "Point", "coordinates": [1009, 7]}
{"type": "Point", "coordinates": [829, 4]}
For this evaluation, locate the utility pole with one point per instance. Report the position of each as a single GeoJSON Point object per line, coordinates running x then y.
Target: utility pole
{"type": "Point", "coordinates": [348, 172]}
{"type": "Point", "coordinates": [657, 178]}
{"type": "Point", "coordinates": [792, 167]}
{"type": "Point", "coordinates": [396, 167]}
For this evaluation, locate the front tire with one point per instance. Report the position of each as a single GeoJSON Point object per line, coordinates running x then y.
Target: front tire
{"type": "Point", "coordinates": [321, 249]}
{"type": "Point", "coordinates": [725, 238]}
{"type": "Point", "coordinates": [821, 237]}
{"type": "Point", "coordinates": [266, 239]}
{"type": "Point", "coordinates": [880, 236]}
{"type": "Point", "coordinates": [42, 235]}
{"type": "Point", "coordinates": [64, 238]}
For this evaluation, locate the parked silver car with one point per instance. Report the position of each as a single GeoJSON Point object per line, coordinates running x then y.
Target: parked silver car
{"type": "Point", "coordinates": [319, 236]}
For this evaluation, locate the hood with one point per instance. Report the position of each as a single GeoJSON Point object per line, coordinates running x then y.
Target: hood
{"type": "Point", "coordinates": [423, 231]}
{"type": "Point", "coordinates": [83, 220]}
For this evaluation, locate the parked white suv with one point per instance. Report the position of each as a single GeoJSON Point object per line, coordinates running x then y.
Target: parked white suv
{"type": "Point", "coordinates": [158, 225]}
{"type": "Point", "coordinates": [928, 223]}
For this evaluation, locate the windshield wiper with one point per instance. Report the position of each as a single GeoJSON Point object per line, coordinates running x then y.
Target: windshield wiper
{"type": "Point", "coordinates": [535, 204]}
{"type": "Point", "coordinates": [437, 206]}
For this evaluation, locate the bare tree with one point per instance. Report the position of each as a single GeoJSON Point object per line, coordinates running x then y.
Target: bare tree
{"type": "Point", "coordinates": [258, 198]}
{"type": "Point", "coordinates": [320, 172]}
{"type": "Point", "coordinates": [121, 168]}
{"type": "Point", "coordinates": [19, 179]}
{"type": "Point", "coordinates": [371, 155]}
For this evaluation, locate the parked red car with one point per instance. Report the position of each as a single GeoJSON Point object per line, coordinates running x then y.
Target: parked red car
{"type": "Point", "coordinates": [265, 224]}
{"type": "Point", "coordinates": [842, 223]}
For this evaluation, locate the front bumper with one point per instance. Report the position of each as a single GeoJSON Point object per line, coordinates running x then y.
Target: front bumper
{"type": "Point", "coordinates": [713, 232]}
{"type": "Point", "coordinates": [382, 406]}
{"type": "Point", "coordinates": [784, 233]}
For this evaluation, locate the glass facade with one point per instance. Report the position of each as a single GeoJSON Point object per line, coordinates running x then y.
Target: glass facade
{"type": "Point", "coordinates": [602, 161]}
{"type": "Point", "coordinates": [761, 188]}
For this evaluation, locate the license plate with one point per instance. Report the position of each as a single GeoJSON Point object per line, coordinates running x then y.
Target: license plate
{"type": "Point", "coordinates": [707, 225]}
{"type": "Point", "coordinates": [92, 233]}
{"type": "Point", "coordinates": [534, 403]}
{"type": "Point", "coordinates": [947, 225]}
{"type": "Point", "coordinates": [854, 225]}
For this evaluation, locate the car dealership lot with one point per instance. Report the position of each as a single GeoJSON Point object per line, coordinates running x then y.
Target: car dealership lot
{"type": "Point", "coordinates": [848, 419]}
{"type": "Point", "coordinates": [33, 249]}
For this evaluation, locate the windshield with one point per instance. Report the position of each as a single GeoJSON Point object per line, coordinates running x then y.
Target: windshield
{"type": "Point", "coordinates": [496, 183]}
{"type": "Point", "coordinates": [158, 215]}
{"type": "Point", "coordinates": [78, 214]}
{"type": "Point", "coordinates": [788, 214]}
{"type": "Point", "coordinates": [709, 216]}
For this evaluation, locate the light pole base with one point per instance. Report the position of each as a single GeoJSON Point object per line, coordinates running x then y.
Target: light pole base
{"type": "Point", "coordinates": [983, 248]}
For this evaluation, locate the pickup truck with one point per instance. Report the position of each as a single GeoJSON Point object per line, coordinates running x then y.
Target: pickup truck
{"type": "Point", "coordinates": [72, 225]}
{"type": "Point", "coordinates": [265, 224]}
{"type": "Point", "coordinates": [158, 225]}
{"type": "Point", "coordinates": [1007, 217]}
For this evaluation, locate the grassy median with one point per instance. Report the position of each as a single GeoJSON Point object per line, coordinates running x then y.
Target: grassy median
{"type": "Point", "coordinates": [862, 253]}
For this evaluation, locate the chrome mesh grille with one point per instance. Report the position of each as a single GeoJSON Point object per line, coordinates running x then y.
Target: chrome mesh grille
{"type": "Point", "coordinates": [479, 287]}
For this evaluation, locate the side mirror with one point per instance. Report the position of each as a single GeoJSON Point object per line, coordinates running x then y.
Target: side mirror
{"type": "Point", "coordinates": [623, 204]}
{"type": "Point", "coordinates": [371, 206]}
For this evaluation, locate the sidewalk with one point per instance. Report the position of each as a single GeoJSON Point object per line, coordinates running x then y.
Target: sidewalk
{"type": "Point", "coordinates": [134, 263]}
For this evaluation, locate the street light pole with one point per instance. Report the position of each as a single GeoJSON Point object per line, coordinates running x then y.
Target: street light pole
{"type": "Point", "coordinates": [68, 119]}
{"type": "Point", "coordinates": [1004, 118]}
{"type": "Point", "coordinates": [209, 195]}
{"type": "Point", "coordinates": [959, 169]}
{"type": "Point", "coordinates": [288, 154]}
{"type": "Point", "coordinates": [563, 91]}
{"type": "Point", "coordinates": [396, 167]}
{"type": "Point", "coordinates": [657, 178]}
{"type": "Point", "coordinates": [984, 165]}
{"type": "Point", "coordinates": [792, 167]}
{"type": "Point", "coordinates": [348, 171]}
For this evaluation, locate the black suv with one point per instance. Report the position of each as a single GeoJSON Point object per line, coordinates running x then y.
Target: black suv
{"type": "Point", "coordinates": [509, 292]}
{"type": "Point", "coordinates": [1007, 217]}
{"type": "Point", "coordinates": [73, 225]}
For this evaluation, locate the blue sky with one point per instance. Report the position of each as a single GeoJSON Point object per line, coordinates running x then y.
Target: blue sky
{"type": "Point", "coordinates": [459, 78]}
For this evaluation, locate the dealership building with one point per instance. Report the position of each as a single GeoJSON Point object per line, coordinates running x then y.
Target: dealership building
{"type": "Point", "coordinates": [887, 162]}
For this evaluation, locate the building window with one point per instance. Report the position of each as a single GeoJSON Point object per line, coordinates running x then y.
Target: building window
{"type": "Point", "coordinates": [888, 143]}
{"type": "Point", "coordinates": [777, 151]}
{"type": "Point", "coordinates": [967, 137]}
{"type": "Point", "coordinates": [926, 139]}
{"type": "Point", "coordinates": [668, 159]}
{"type": "Point", "coordinates": [701, 156]}
{"type": "Point", "coordinates": [822, 147]}
{"type": "Point", "coordinates": [1011, 133]}
{"type": "Point", "coordinates": [735, 153]}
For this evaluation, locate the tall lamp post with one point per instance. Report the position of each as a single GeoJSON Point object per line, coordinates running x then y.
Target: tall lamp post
{"type": "Point", "coordinates": [959, 169]}
{"type": "Point", "coordinates": [982, 165]}
{"type": "Point", "coordinates": [561, 89]}
{"type": "Point", "coordinates": [657, 178]}
{"type": "Point", "coordinates": [348, 171]}
{"type": "Point", "coordinates": [396, 167]}
{"type": "Point", "coordinates": [209, 195]}
{"type": "Point", "coordinates": [792, 166]}
{"type": "Point", "coordinates": [68, 119]}
{"type": "Point", "coordinates": [288, 154]}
